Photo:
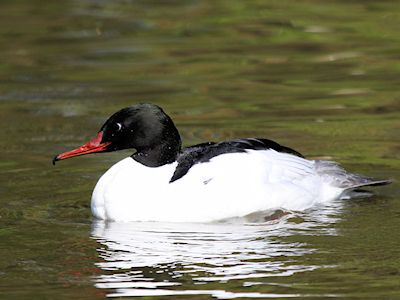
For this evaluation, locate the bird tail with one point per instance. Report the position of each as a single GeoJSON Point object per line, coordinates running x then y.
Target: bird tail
{"type": "Point", "coordinates": [351, 183]}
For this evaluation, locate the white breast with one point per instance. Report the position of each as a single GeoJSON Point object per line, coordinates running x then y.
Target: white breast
{"type": "Point", "coordinates": [230, 185]}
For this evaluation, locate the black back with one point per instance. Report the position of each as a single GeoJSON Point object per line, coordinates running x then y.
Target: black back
{"type": "Point", "coordinates": [204, 152]}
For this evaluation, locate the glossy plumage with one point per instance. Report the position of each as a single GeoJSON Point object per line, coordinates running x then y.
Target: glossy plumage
{"type": "Point", "coordinates": [205, 182]}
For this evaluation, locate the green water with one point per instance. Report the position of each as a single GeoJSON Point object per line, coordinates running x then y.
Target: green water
{"type": "Point", "coordinates": [319, 76]}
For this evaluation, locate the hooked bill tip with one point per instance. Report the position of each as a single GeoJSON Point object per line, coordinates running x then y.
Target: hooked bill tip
{"type": "Point", "coordinates": [55, 159]}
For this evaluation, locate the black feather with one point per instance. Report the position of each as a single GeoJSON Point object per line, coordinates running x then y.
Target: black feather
{"type": "Point", "coordinates": [202, 153]}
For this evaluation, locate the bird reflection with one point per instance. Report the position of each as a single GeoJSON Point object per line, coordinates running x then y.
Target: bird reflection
{"type": "Point", "coordinates": [151, 258]}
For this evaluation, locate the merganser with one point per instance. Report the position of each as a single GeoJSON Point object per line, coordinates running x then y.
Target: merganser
{"type": "Point", "coordinates": [205, 182]}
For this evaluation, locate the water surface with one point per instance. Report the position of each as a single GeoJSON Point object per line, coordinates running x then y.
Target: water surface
{"type": "Point", "coordinates": [321, 77]}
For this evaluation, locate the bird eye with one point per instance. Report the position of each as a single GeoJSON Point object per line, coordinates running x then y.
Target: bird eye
{"type": "Point", "coordinates": [119, 126]}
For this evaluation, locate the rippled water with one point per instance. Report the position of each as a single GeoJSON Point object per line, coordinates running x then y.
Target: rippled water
{"type": "Point", "coordinates": [321, 77]}
{"type": "Point", "coordinates": [202, 255]}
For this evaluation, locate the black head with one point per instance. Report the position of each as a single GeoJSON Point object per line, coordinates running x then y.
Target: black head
{"type": "Point", "coordinates": [144, 127]}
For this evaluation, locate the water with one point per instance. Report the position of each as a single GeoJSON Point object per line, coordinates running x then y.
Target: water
{"type": "Point", "coordinates": [234, 255]}
{"type": "Point", "coordinates": [321, 77]}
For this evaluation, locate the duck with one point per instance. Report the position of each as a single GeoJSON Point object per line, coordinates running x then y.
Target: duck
{"type": "Point", "coordinates": [163, 181]}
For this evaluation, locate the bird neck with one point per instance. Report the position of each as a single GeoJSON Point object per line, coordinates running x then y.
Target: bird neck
{"type": "Point", "coordinates": [159, 155]}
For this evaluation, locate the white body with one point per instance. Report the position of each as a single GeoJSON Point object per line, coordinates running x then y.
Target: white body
{"type": "Point", "coordinates": [229, 185]}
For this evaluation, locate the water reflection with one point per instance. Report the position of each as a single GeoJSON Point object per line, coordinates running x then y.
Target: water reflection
{"type": "Point", "coordinates": [143, 259]}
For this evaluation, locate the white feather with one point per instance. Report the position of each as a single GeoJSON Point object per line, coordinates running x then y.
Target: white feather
{"type": "Point", "coordinates": [229, 185]}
